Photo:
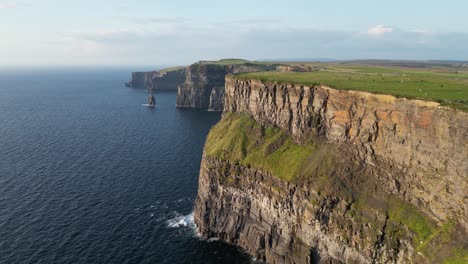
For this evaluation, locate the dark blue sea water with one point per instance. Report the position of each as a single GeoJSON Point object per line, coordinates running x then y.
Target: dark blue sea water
{"type": "Point", "coordinates": [89, 175]}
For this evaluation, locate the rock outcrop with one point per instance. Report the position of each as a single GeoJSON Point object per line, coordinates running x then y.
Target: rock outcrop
{"type": "Point", "coordinates": [166, 80]}
{"type": "Point", "coordinates": [392, 191]}
{"type": "Point", "coordinates": [151, 100]}
{"type": "Point", "coordinates": [204, 83]}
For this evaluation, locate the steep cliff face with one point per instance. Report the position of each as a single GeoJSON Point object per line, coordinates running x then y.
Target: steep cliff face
{"type": "Point", "coordinates": [200, 85]}
{"type": "Point", "coordinates": [200, 81]}
{"type": "Point", "coordinates": [281, 222]}
{"type": "Point", "coordinates": [216, 99]}
{"type": "Point", "coordinates": [158, 80]}
{"type": "Point", "coordinates": [385, 181]}
{"type": "Point", "coordinates": [204, 84]}
{"type": "Point", "coordinates": [429, 143]}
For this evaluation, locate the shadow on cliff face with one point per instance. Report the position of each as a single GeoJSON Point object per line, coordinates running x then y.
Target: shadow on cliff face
{"type": "Point", "coordinates": [215, 252]}
{"type": "Point", "coordinates": [314, 256]}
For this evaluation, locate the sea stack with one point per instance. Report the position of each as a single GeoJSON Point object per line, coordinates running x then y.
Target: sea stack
{"type": "Point", "coordinates": [151, 100]}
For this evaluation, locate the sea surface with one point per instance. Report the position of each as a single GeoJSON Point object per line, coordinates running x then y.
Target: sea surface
{"type": "Point", "coordinates": [89, 175]}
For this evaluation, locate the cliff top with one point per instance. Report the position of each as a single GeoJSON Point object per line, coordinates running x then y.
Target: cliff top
{"type": "Point", "coordinates": [226, 61]}
{"type": "Point", "coordinates": [444, 85]}
{"type": "Point", "coordinates": [172, 69]}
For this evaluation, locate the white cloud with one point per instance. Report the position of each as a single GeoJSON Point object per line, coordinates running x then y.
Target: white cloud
{"type": "Point", "coordinates": [8, 5]}
{"type": "Point", "coordinates": [379, 30]}
{"type": "Point", "coordinates": [174, 43]}
{"type": "Point", "coordinates": [5, 5]}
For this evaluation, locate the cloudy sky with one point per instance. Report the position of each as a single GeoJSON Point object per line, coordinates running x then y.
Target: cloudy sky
{"type": "Point", "coordinates": [145, 32]}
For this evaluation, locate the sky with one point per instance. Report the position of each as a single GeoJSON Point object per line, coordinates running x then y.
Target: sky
{"type": "Point", "coordinates": [176, 32]}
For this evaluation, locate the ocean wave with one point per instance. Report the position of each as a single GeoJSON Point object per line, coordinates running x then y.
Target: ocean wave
{"type": "Point", "coordinates": [181, 221]}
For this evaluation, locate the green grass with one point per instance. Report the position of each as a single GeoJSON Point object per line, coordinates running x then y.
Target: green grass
{"type": "Point", "coordinates": [224, 64]}
{"type": "Point", "coordinates": [240, 138]}
{"type": "Point", "coordinates": [399, 212]}
{"type": "Point", "coordinates": [439, 244]}
{"type": "Point", "coordinates": [229, 61]}
{"type": "Point", "coordinates": [459, 256]}
{"type": "Point", "coordinates": [408, 215]}
{"type": "Point", "coordinates": [443, 234]}
{"type": "Point", "coordinates": [172, 69]}
{"type": "Point", "coordinates": [448, 88]}
{"type": "Point", "coordinates": [444, 246]}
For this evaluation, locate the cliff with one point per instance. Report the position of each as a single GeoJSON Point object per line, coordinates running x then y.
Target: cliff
{"type": "Point", "coordinates": [204, 83]}
{"type": "Point", "coordinates": [311, 174]}
{"type": "Point", "coordinates": [165, 80]}
{"type": "Point", "coordinates": [200, 85]}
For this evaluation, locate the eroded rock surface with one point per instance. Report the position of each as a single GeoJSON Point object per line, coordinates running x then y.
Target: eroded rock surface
{"type": "Point", "coordinates": [157, 80]}
{"type": "Point", "coordinates": [204, 84]}
{"type": "Point", "coordinates": [429, 143]}
{"type": "Point", "coordinates": [407, 158]}
{"type": "Point", "coordinates": [281, 222]}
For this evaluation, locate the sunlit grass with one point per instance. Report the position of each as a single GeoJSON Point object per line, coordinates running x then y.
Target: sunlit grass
{"type": "Point", "coordinates": [239, 138]}
{"type": "Point", "coordinates": [449, 89]}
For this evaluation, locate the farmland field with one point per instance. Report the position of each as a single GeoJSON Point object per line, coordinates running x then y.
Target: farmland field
{"type": "Point", "coordinates": [445, 85]}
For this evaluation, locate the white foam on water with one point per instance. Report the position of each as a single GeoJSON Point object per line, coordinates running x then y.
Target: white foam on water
{"type": "Point", "coordinates": [181, 221]}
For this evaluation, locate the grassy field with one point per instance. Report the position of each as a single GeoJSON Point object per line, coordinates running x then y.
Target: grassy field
{"type": "Point", "coordinates": [224, 62]}
{"type": "Point", "coordinates": [447, 86]}
{"type": "Point", "coordinates": [228, 62]}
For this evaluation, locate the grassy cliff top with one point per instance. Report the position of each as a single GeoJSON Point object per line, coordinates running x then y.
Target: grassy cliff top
{"type": "Point", "coordinates": [173, 69]}
{"type": "Point", "coordinates": [266, 66]}
{"type": "Point", "coordinates": [449, 87]}
{"type": "Point", "coordinates": [227, 61]}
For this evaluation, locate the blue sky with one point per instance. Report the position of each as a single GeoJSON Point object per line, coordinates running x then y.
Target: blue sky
{"type": "Point", "coordinates": [143, 32]}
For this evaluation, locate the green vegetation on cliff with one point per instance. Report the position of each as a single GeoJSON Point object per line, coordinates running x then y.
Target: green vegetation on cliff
{"type": "Point", "coordinates": [448, 88]}
{"type": "Point", "coordinates": [240, 138]}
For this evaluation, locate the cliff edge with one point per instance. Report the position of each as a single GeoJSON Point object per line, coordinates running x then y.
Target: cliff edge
{"type": "Point", "coordinates": [164, 80]}
{"type": "Point", "coordinates": [204, 83]}
{"type": "Point", "coordinates": [200, 85]}
{"type": "Point", "coordinates": [311, 174]}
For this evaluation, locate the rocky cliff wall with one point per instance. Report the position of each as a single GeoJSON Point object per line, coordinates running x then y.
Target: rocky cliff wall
{"type": "Point", "coordinates": [393, 191]}
{"type": "Point", "coordinates": [200, 82]}
{"type": "Point", "coordinates": [158, 80]}
{"type": "Point", "coordinates": [204, 84]}
{"type": "Point", "coordinates": [281, 222]}
{"type": "Point", "coordinates": [429, 143]}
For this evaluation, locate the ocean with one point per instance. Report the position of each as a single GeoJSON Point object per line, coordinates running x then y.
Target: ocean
{"type": "Point", "coordinates": [89, 175]}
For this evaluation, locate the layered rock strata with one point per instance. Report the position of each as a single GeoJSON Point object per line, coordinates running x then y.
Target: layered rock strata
{"type": "Point", "coordinates": [158, 80]}
{"type": "Point", "coordinates": [395, 186]}
{"type": "Point", "coordinates": [204, 84]}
